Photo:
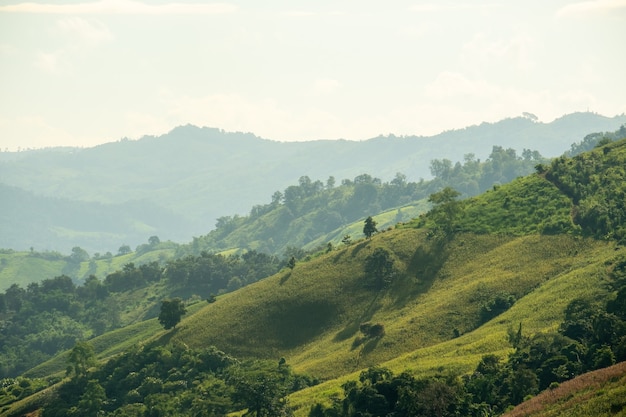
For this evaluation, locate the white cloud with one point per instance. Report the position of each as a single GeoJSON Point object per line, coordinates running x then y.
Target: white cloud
{"type": "Point", "coordinates": [448, 7]}
{"type": "Point", "coordinates": [484, 54]}
{"type": "Point", "coordinates": [583, 8]}
{"type": "Point", "coordinates": [298, 13]}
{"type": "Point", "coordinates": [33, 132]}
{"type": "Point", "coordinates": [50, 62]}
{"type": "Point", "coordinates": [325, 86]}
{"type": "Point", "coordinates": [120, 7]}
{"type": "Point", "coordinates": [449, 84]}
{"type": "Point", "coordinates": [90, 32]}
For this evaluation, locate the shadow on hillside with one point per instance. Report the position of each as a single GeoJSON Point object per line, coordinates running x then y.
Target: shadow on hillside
{"type": "Point", "coordinates": [353, 327]}
{"type": "Point", "coordinates": [353, 249]}
{"type": "Point", "coordinates": [357, 248]}
{"type": "Point", "coordinates": [166, 337]}
{"type": "Point", "coordinates": [295, 322]}
{"type": "Point", "coordinates": [285, 277]}
{"type": "Point", "coordinates": [425, 264]}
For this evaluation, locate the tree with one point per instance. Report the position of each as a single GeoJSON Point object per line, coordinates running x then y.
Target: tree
{"type": "Point", "coordinates": [79, 255]}
{"type": "Point", "coordinates": [91, 401]}
{"type": "Point", "coordinates": [262, 390]}
{"type": "Point", "coordinates": [292, 262]}
{"type": "Point", "coordinates": [153, 241]}
{"type": "Point", "coordinates": [379, 267]}
{"type": "Point", "coordinates": [123, 250]}
{"type": "Point", "coordinates": [370, 227]}
{"type": "Point", "coordinates": [446, 207]}
{"type": "Point", "coordinates": [82, 357]}
{"type": "Point", "coordinates": [171, 313]}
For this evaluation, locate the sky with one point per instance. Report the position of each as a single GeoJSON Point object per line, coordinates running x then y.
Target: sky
{"type": "Point", "coordinates": [80, 73]}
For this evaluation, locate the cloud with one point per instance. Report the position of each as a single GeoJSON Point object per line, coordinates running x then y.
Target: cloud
{"type": "Point", "coordinates": [50, 62]}
{"type": "Point", "coordinates": [450, 7]}
{"type": "Point", "coordinates": [120, 7]}
{"type": "Point", "coordinates": [325, 86]}
{"type": "Point", "coordinates": [33, 132]}
{"type": "Point", "coordinates": [298, 13]}
{"type": "Point", "coordinates": [90, 32]}
{"type": "Point", "coordinates": [482, 53]}
{"type": "Point", "coordinates": [584, 8]}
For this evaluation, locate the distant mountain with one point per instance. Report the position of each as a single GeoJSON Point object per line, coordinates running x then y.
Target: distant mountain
{"type": "Point", "coordinates": [41, 222]}
{"type": "Point", "coordinates": [200, 174]}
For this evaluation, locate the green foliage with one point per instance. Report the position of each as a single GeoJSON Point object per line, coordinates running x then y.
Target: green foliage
{"type": "Point", "coordinates": [81, 358]}
{"type": "Point", "coordinates": [172, 380]}
{"type": "Point", "coordinates": [171, 313]}
{"type": "Point", "coordinates": [379, 268]}
{"type": "Point", "coordinates": [596, 139]}
{"type": "Point", "coordinates": [526, 205]}
{"type": "Point", "coordinates": [369, 227]}
{"type": "Point", "coordinates": [594, 181]}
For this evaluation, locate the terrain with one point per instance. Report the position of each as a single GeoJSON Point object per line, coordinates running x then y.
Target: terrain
{"type": "Point", "coordinates": [525, 282]}
{"type": "Point", "coordinates": [176, 186]}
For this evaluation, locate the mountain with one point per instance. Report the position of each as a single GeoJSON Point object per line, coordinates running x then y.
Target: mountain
{"type": "Point", "coordinates": [27, 220]}
{"type": "Point", "coordinates": [489, 299]}
{"type": "Point", "coordinates": [179, 184]}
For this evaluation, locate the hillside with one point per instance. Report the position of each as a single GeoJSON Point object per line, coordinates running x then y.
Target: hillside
{"type": "Point", "coordinates": [200, 174]}
{"type": "Point", "coordinates": [594, 394]}
{"type": "Point", "coordinates": [304, 217]}
{"type": "Point", "coordinates": [512, 290]}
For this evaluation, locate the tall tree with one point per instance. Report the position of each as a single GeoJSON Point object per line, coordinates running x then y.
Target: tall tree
{"type": "Point", "coordinates": [370, 227]}
{"type": "Point", "coordinates": [82, 357]}
{"type": "Point", "coordinates": [171, 312]}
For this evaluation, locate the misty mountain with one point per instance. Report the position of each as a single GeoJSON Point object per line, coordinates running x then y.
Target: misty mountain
{"type": "Point", "coordinates": [181, 182]}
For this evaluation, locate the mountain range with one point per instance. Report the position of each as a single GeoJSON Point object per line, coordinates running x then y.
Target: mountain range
{"type": "Point", "coordinates": [177, 185]}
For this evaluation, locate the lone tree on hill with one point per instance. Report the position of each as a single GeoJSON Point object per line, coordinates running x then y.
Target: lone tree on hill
{"type": "Point", "coordinates": [171, 312]}
{"type": "Point", "coordinates": [370, 227]}
{"type": "Point", "coordinates": [81, 358]}
{"type": "Point", "coordinates": [447, 208]}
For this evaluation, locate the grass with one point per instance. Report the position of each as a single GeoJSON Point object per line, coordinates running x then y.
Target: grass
{"type": "Point", "coordinates": [383, 221]}
{"type": "Point", "coordinates": [595, 394]}
{"type": "Point", "coordinates": [21, 268]}
{"type": "Point", "coordinates": [311, 315]}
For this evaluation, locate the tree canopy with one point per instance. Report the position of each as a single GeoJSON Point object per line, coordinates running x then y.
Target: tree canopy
{"type": "Point", "coordinates": [171, 313]}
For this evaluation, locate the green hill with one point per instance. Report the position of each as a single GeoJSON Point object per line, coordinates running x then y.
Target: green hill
{"type": "Point", "coordinates": [434, 297]}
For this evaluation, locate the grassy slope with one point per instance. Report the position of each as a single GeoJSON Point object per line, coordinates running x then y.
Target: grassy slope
{"type": "Point", "coordinates": [600, 393]}
{"type": "Point", "coordinates": [311, 315]}
{"type": "Point", "coordinates": [21, 268]}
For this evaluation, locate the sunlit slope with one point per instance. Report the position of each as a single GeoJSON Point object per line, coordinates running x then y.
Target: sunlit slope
{"type": "Point", "coordinates": [540, 310]}
{"type": "Point", "coordinates": [311, 315]}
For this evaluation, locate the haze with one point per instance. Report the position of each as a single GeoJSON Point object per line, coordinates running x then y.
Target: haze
{"type": "Point", "coordinates": [83, 73]}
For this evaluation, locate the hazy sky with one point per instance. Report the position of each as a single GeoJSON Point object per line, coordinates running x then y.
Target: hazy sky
{"type": "Point", "coordinates": [87, 72]}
